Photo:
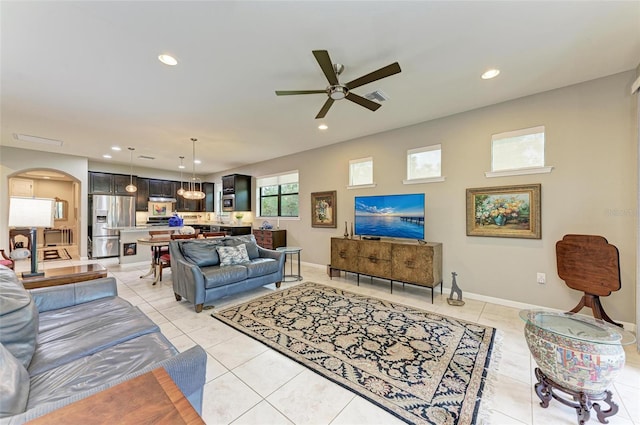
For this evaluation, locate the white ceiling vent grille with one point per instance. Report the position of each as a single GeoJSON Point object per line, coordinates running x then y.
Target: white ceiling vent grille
{"type": "Point", "coordinates": [36, 139]}
{"type": "Point", "coordinates": [377, 95]}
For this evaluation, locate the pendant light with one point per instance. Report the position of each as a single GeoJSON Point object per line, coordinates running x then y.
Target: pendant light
{"type": "Point", "coordinates": [194, 191]}
{"type": "Point", "coordinates": [131, 188]}
{"type": "Point", "coordinates": [181, 167]}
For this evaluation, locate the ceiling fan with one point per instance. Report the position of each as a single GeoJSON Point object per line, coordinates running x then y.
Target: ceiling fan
{"type": "Point", "coordinates": [337, 91]}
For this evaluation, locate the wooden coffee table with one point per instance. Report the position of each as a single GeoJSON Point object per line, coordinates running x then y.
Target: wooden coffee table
{"type": "Point", "coordinates": [65, 275]}
{"type": "Point", "coordinates": [152, 398]}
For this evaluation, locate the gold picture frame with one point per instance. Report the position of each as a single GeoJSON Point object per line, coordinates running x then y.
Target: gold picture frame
{"type": "Point", "coordinates": [323, 209]}
{"type": "Point", "coordinates": [504, 211]}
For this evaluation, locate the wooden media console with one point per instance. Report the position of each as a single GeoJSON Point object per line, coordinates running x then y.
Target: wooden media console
{"type": "Point", "coordinates": [405, 262]}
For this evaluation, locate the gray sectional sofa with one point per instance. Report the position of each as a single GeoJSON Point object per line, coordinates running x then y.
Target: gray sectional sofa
{"type": "Point", "coordinates": [207, 269]}
{"type": "Point", "coordinates": [63, 343]}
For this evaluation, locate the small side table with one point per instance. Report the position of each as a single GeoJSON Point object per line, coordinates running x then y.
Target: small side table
{"type": "Point", "coordinates": [291, 251]}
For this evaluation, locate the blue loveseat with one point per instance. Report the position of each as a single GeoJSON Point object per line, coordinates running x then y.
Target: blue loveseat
{"type": "Point", "coordinates": [64, 343]}
{"type": "Point", "coordinates": [207, 269]}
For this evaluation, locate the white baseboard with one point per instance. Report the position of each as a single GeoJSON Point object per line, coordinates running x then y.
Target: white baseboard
{"type": "Point", "coordinates": [499, 301]}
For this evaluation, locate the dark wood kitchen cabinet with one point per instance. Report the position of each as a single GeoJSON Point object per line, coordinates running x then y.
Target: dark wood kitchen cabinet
{"type": "Point", "coordinates": [110, 184]}
{"type": "Point", "coordinates": [163, 188]}
{"type": "Point", "coordinates": [142, 195]}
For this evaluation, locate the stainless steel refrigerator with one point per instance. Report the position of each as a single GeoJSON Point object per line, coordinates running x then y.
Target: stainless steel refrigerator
{"type": "Point", "coordinates": [107, 214]}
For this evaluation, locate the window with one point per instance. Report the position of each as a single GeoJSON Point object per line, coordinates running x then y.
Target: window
{"type": "Point", "coordinates": [278, 195]}
{"type": "Point", "coordinates": [361, 172]}
{"type": "Point", "coordinates": [516, 150]}
{"type": "Point", "coordinates": [424, 164]}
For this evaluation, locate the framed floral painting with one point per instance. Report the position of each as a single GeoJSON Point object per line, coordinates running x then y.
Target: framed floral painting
{"type": "Point", "coordinates": [323, 209]}
{"type": "Point", "coordinates": [504, 211]}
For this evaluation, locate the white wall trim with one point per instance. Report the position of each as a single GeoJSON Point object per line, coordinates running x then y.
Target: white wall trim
{"type": "Point", "coordinates": [519, 172]}
{"type": "Point", "coordinates": [425, 180]}
{"type": "Point", "coordinates": [493, 300]}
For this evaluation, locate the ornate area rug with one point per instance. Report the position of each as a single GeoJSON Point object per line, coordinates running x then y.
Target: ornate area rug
{"type": "Point", "coordinates": [422, 367]}
{"type": "Point", "coordinates": [52, 254]}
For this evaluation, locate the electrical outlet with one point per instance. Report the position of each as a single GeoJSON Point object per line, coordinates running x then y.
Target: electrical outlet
{"type": "Point", "coordinates": [541, 278]}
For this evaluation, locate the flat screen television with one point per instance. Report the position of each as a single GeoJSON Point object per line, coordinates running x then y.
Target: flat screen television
{"type": "Point", "coordinates": [392, 216]}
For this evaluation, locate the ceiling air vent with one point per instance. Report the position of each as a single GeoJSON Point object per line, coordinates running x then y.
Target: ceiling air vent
{"type": "Point", "coordinates": [36, 139]}
{"type": "Point", "coordinates": [377, 95]}
{"type": "Point", "coordinates": [145, 157]}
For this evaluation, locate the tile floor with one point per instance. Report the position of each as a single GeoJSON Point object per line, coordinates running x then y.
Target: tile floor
{"type": "Point", "coordinates": [248, 383]}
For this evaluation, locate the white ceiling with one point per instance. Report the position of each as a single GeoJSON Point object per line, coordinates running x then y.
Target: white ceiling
{"type": "Point", "coordinates": [87, 72]}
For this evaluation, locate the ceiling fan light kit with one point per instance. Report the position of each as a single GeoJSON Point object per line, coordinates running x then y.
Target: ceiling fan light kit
{"type": "Point", "coordinates": [336, 91]}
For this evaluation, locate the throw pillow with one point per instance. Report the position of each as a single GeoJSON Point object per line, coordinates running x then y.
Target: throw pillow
{"type": "Point", "coordinates": [248, 240]}
{"type": "Point", "coordinates": [18, 318]}
{"type": "Point", "coordinates": [230, 255]}
{"type": "Point", "coordinates": [20, 254]}
{"type": "Point", "coordinates": [14, 384]}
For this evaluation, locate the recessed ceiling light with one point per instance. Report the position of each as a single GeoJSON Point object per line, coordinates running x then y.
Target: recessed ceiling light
{"type": "Point", "coordinates": [168, 60]}
{"type": "Point", "coordinates": [197, 161]}
{"type": "Point", "coordinates": [492, 73]}
{"type": "Point", "coordinates": [323, 126]}
{"type": "Point", "coordinates": [181, 166]}
{"type": "Point", "coordinates": [46, 177]}
{"type": "Point", "coordinates": [116, 148]}
{"type": "Point", "coordinates": [106, 155]}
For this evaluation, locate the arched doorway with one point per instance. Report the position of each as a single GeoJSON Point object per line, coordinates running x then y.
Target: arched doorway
{"type": "Point", "coordinates": [65, 189]}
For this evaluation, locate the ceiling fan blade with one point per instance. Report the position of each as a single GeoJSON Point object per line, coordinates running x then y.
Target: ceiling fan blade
{"type": "Point", "coordinates": [322, 56]}
{"type": "Point", "coordinates": [383, 72]}
{"type": "Point", "coordinates": [369, 104]}
{"type": "Point", "coordinates": [325, 108]}
{"type": "Point", "coordinates": [292, 92]}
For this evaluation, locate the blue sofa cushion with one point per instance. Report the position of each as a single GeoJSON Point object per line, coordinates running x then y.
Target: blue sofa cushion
{"type": "Point", "coordinates": [232, 255]}
{"type": "Point", "coordinates": [62, 316]}
{"type": "Point", "coordinates": [18, 317]}
{"type": "Point", "coordinates": [14, 384]}
{"type": "Point", "coordinates": [103, 366]}
{"type": "Point", "coordinates": [217, 276]}
{"type": "Point", "coordinates": [84, 337]}
{"type": "Point", "coordinates": [261, 267]}
{"type": "Point", "coordinates": [202, 252]}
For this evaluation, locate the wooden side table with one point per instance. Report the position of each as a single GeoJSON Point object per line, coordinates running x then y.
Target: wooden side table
{"type": "Point", "coordinates": [65, 275]}
{"type": "Point", "coordinates": [152, 398]}
{"type": "Point", "coordinates": [590, 264]}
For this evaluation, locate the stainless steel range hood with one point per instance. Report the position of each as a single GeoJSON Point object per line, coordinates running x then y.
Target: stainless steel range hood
{"type": "Point", "coordinates": [161, 199]}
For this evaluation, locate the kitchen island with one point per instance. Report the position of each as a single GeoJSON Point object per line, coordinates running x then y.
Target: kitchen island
{"type": "Point", "coordinates": [132, 252]}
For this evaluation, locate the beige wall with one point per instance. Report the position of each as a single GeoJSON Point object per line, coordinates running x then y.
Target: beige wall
{"type": "Point", "coordinates": [590, 142]}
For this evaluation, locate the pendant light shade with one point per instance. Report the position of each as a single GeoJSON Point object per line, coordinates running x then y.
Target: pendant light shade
{"type": "Point", "coordinates": [131, 188]}
{"type": "Point", "coordinates": [181, 190]}
{"type": "Point", "coordinates": [195, 185]}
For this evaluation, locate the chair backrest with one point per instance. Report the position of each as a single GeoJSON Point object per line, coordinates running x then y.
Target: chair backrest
{"type": "Point", "coordinates": [178, 236]}
{"type": "Point", "coordinates": [160, 233]}
{"type": "Point", "coordinates": [214, 234]}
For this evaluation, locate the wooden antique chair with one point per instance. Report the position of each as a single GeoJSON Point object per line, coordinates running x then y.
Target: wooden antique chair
{"type": "Point", "coordinates": [165, 259]}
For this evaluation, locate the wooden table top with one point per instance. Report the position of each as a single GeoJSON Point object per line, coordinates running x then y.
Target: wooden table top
{"type": "Point", "coordinates": [65, 275]}
{"type": "Point", "coordinates": [152, 398]}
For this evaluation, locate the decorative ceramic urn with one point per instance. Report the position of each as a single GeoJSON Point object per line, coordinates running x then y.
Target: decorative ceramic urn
{"type": "Point", "coordinates": [579, 353]}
